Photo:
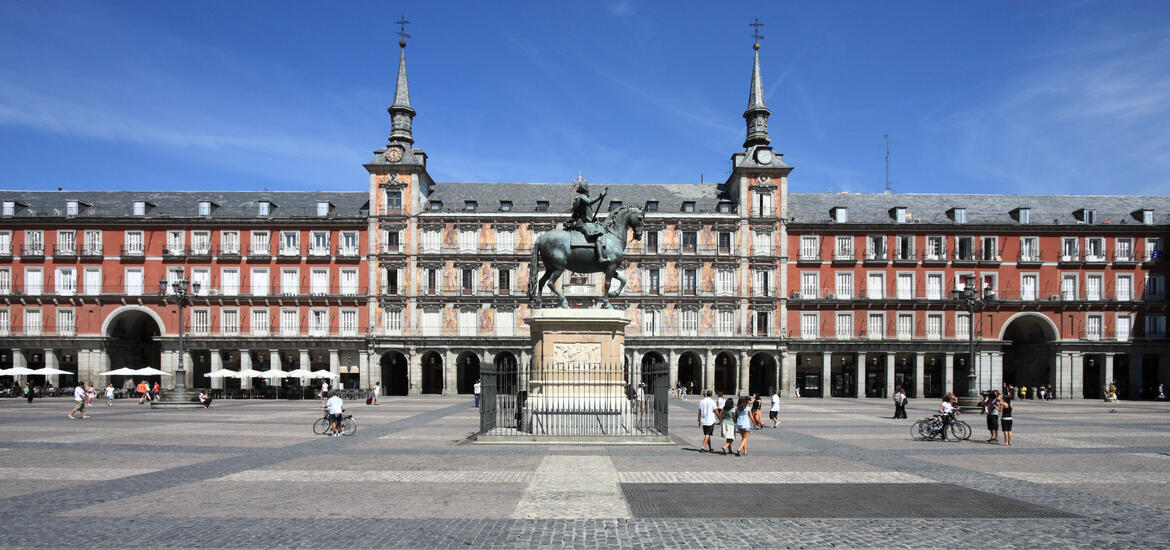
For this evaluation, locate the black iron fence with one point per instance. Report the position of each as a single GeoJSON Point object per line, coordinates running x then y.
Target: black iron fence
{"type": "Point", "coordinates": [574, 400]}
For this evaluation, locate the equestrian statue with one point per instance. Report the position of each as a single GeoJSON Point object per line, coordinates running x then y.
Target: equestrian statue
{"type": "Point", "coordinates": [584, 245]}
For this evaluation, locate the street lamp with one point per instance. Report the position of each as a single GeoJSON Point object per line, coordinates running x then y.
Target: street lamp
{"type": "Point", "coordinates": [180, 396]}
{"type": "Point", "coordinates": [971, 299]}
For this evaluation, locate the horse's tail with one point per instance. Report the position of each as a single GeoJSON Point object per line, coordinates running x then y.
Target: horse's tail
{"type": "Point", "coordinates": [532, 269]}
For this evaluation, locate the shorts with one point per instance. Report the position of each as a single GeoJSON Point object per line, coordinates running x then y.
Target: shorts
{"type": "Point", "coordinates": [79, 405]}
{"type": "Point", "coordinates": [993, 421]}
{"type": "Point", "coordinates": [336, 417]}
{"type": "Point", "coordinates": [708, 430]}
{"type": "Point", "coordinates": [1006, 424]}
{"type": "Point", "coordinates": [728, 431]}
{"type": "Point", "coordinates": [773, 415]}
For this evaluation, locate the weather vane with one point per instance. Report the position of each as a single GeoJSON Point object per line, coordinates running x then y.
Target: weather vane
{"type": "Point", "coordinates": [756, 30]}
{"type": "Point", "coordinates": [402, 23]}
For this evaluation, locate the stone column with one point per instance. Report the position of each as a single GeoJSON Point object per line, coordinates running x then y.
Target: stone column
{"type": "Point", "coordinates": [245, 364]}
{"type": "Point", "coordinates": [364, 370]}
{"type": "Point", "coordinates": [334, 365]}
{"type": "Point", "coordinates": [274, 361]}
{"type": "Point", "coordinates": [826, 375]}
{"type": "Point", "coordinates": [778, 359]}
{"type": "Point", "coordinates": [859, 382]}
{"type": "Point", "coordinates": [84, 372]}
{"type": "Point", "coordinates": [1076, 385]}
{"type": "Point", "coordinates": [919, 374]}
{"type": "Point", "coordinates": [414, 371]}
{"type": "Point", "coordinates": [708, 381]}
{"type": "Point", "coordinates": [1106, 375]}
{"type": "Point", "coordinates": [949, 373]}
{"type": "Point", "coordinates": [51, 362]}
{"type": "Point", "coordinates": [789, 374]}
{"type": "Point", "coordinates": [743, 381]}
{"type": "Point", "coordinates": [672, 364]}
{"type": "Point", "coordinates": [1135, 375]}
{"type": "Point", "coordinates": [450, 373]}
{"type": "Point", "coordinates": [889, 361]}
{"type": "Point", "coordinates": [216, 366]}
{"type": "Point", "coordinates": [188, 369]}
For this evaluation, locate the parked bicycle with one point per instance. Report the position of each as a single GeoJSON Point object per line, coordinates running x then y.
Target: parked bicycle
{"type": "Point", "coordinates": [324, 426]}
{"type": "Point", "coordinates": [932, 428]}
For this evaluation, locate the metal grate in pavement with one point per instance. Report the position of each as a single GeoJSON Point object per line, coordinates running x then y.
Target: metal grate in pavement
{"type": "Point", "coordinates": [825, 500]}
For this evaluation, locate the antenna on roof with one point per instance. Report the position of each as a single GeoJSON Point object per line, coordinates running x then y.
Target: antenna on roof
{"type": "Point", "coordinates": [886, 141]}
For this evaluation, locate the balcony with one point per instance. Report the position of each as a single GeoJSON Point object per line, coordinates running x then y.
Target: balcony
{"type": "Point", "coordinates": [228, 253]}
{"type": "Point", "coordinates": [1124, 257]}
{"type": "Point", "coordinates": [318, 253]}
{"type": "Point", "coordinates": [6, 253]}
{"type": "Point", "coordinates": [199, 252]}
{"type": "Point", "coordinates": [1070, 257]}
{"type": "Point", "coordinates": [174, 253]}
{"type": "Point", "coordinates": [1095, 257]}
{"type": "Point", "coordinates": [967, 255]}
{"type": "Point", "coordinates": [1030, 257]}
{"type": "Point", "coordinates": [92, 252]}
{"type": "Point", "coordinates": [132, 252]}
{"type": "Point", "coordinates": [32, 252]}
{"type": "Point", "coordinates": [877, 256]}
{"type": "Point", "coordinates": [289, 254]}
{"type": "Point", "coordinates": [934, 256]}
{"type": "Point", "coordinates": [1152, 256]}
{"type": "Point", "coordinates": [348, 253]}
{"type": "Point", "coordinates": [844, 256]}
{"type": "Point", "coordinates": [905, 256]}
{"type": "Point", "coordinates": [259, 254]}
{"type": "Point", "coordinates": [809, 256]}
{"type": "Point", "coordinates": [64, 252]}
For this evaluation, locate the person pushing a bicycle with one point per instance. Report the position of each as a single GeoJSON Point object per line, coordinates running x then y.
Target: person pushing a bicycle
{"type": "Point", "coordinates": [336, 407]}
{"type": "Point", "coordinates": [947, 409]}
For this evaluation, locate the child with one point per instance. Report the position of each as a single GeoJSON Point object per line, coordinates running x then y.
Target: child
{"type": "Point", "coordinates": [727, 425]}
{"type": "Point", "coordinates": [110, 395]}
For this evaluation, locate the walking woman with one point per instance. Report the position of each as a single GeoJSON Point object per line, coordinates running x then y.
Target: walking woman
{"type": "Point", "coordinates": [757, 418]}
{"type": "Point", "coordinates": [727, 425]}
{"type": "Point", "coordinates": [947, 409]}
{"type": "Point", "coordinates": [993, 408]}
{"type": "Point", "coordinates": [1005, 419]}
{"type": "Point", "coordinates": [899, 403]}
{"type": "Point", "coordinates": [743, 423]}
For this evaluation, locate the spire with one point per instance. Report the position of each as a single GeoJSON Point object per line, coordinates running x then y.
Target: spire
{"type": "Point", "coordinates": [401, 114]}
{"type": "Point", "coordinates": [757, 113]}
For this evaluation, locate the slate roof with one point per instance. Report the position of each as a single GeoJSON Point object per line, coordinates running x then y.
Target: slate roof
{"type": "Point", "coordinates": [875, 208]}
{"type": "Point", "coordinates": [185, 204]}
{"type": "Point", "coordinates": [524, 196]}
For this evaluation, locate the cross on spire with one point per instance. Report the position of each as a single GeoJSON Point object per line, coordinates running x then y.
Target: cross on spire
{"type": "Point", "coordinates": [755, 24]}
{"type": "Point", "coordinates": [402, 23]}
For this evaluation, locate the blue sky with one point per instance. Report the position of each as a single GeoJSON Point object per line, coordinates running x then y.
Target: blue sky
{"type": "Point", "coordinates": [989, 97]}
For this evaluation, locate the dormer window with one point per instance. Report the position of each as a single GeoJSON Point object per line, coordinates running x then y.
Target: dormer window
{"type": "Point", "coordinates": [505, 206]}
{"type": "Point", "coordinates": [139, 208]}
{"type": "Point", "coordinates": [900, 214]}
{"type": "Point", "coordinates": [470, 206]}
{"type": "Point", "coordinates": [614, 205]}
{"type": "Point", "coordinates": [542, 206]}
{"type": "Point", "coordinates": [263, 208]}
{"type": "Point", "coordinates": [323, 208]}
{"type": "Point", "coordinates": [724, 207]}
{"type": "Point", "coordinates": [1148, 217]}
{"type": "Point", "coordinates": [1089, 216]}
{"type": "Point", "coordinates": [1025, 215]}
{"type": "Point", "coordinates": [71, 208]}
{"type": "Point", "coordinates": [9, 208]}
{"type": "Point", "coordinates": [960, 215]}
{"type": "Point", "coordinates": [204, 208]}
{"type": "Point", "coordinates": [436, 206]}
{"type": "Point", "coordinates": [688, 206]}
{"type": "Point", "coordinates": [840, 214]}
{"type": "Point", "coordinates": [651, 206]}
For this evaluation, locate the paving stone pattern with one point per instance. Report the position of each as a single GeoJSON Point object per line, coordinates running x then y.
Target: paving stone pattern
{"type": "Point", "coordinates": [250, 474]}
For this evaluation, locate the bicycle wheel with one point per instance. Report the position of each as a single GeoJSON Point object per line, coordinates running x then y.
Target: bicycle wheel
{"type": "Point", "coordinates": [961, 430]}
{"type": "Point", "coordinates": [322, 426]}
{"type": "Point", "coordinates": [916, 431]}
{"type": "Point", "coordinates": [348, 426]}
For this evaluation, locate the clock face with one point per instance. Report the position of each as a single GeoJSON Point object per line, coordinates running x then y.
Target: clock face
{"type": "Point", "coordinates": [393, 154]}
{"type": "Point", "coordinates": [764, 156]}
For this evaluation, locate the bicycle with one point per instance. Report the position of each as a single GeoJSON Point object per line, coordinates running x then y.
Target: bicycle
{"type": "Point", "coordinates": [932, 427]}
{"type": "Point", "coordinates": [324, 425]}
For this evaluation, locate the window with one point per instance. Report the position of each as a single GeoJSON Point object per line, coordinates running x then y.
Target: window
{"type": "Point", "coordinates": [289, 322]}
{"type": "Point", "coordinates": [66, 322]}
{"type": "Point", "coordinates": [290, 283]}
{"type": "Point", "coordinates": [990, 249]}
{"type": "Point", "coordinates": [201, 276]}
{"type": "Point", "coordinates": [1029, 249]}
{"type": "Point", "coordinates": [432, 322]}
{"type": "Point", "coordinates": [1090, 216]}
{"type": "Point", "coordinates": [844, 288]}
{"type": "Point", "coordinates": [651, 322]}
{"type": "Point", "coordinates": [651, 240]}
{"type": "Point", "coordinates": [349, 281]}
{"type": "Point", "coordinates": [809, 247]}
{"type": "Point", "coordinates": [810, 285]}
{"type": "Point", "coordinates": [229, 281]}
{"type": "Point", "coordinates": [1153, 248]}
{"type": "Point", "coordinates": [263, 209]}
{"type": "Point", "coordinates": [505, 206]}
{"type": "Point", "coordinates": [504, 281]}
{"type": "Point", "coordinates": [963, 326]}
{"type": "Point", "coordinates": [349, 322]}
{"type": "Point", "coordinates": [651, 206]}
{"type": "Point", "coordinates": [809, 326]}
{"type": "Point", "coordinates": [392, 321]}
{"type": "Point", "coordinates": [1124, 327]}
{"type": "Point", "coordinates": [763, 322]}
{"type": "Point", "coordinates": [260, 243]}
{"type": "Point", "coordinates": [1025, 215]}
{"type": "Point", "coordinates": [905, 247]}
{"type": "Point", "coordinates": [5, 243]}
{"type": "Point", "coordinates": [614, 205]}
{"type": "Point", "coordinates": [653, 281]}
{"type": "Point", "coordinates": [32, 322]}
{"type": "Point", "coordinates": [259, 281]}
{"type": "Point", "coordinates": [761, 283]}
{"type": "Point", "coordinates": [9, 208]}
{"type": "Point", "coordinates": [5, 322]}
{"type": "Point", "coordinates": [843, 247]}
{"type": "Point", "coordinates": [470, 206]}
{"type": "Point", "coordinates": [762, 203]}
{"type": "Point", "coordinates": [762, 243]}
{"type": "Point", "coordinates": [965, 248]}
{"type": "Point", "coordinates": [200, 321]}
{"type": "Point", "coordinates": [93, 281]}
{"type": "Point", "coordinates": [905, 286]}
{"type": "Point", "coordinates": [1029, 282]}
{"type": "Point", "coordinates": [34, 281]}
{"type": "Point", "coordinates": [1155, 287]}
{"type": "Point", "coordinates": [960, 215]}
{"type": "Point", "coordinates": [204, 208]}
{"type": "Point", "coordinates": [290, 243]}
{"type": "Point", "coordinates": [899, 214]}
{"type": "Point", "coordinates": [432, 281]}
{"type": "Point", "coordinates": [467, 322]}
{"type": "Point", "coordinates": [936, 248]}
{"type": "Point", "coordinates": [505, 322]}
{"type": "Point", "coordinates": [34, 242]}
{"type": "Point", "coordinates": [67, 242]}
{"type": "Point", "coordinates": [229, 242]}
{"type": "Point", "coordinates": [1068, 286]}
{"type": "Point", "coordinates": [875, 285]}
{"type": "Point", "coordinates": [201, 243]}
{"type": "Point", "coordinates": [724, 242]}
{"type": "Point", "coordinates": [506, 241]}
{"type": "Point", "coordinates": [723, 206]}
{"type": "Point", "coordinates": [542, 206]}
{"type": "Point", "coordinates": [876, 326]}
{"type": "Point", "coordinates": [319, 245]}
{"type": "Point", "coordinates": [1156, 326]}
{"type": "Point", "coordinates": [1068, 249]}
{"type": "Point", "coordinates": [1094, 283]}
{"type": "Point", "coordinates": [1094, 249]}
{"type": "Point", "coordinates": [390, 281]}
{"type": "Point", "coordinates": [725, 282]}
{"type": "Point", "coordinates": [431, 239]}
{"type": "Point", "coordinates": [467, 280]}
{"type": "Point", "coordinates": [1148, 217]}
{"type": "Point", "coordinates": [468, 240]}
{"type": "Point", "coordinates": [175, 243]}
{"type": "Point", "coordinates": [1124, 289]}
{"type": "Point", "coordinates": [877, 247]}
{"type": "Point", "coordinates": [229, 321]}
{"type": "Point", "coordinates": [435, 206]}
{"type": "Point", "coordinates": [844, 326]}
{"type": "Point", "coordinates": [905, 326]}
{"type": "Point", "coordinates": [5, 280]}
{"type": "Point", "coordinates": [688, 206]}
{"type": "Point", "coordinates": [174, 275]}
{"type": "Point", "coordinates": [1094, 327]}
{"type": "Point", "coordinates": [65, 281]}
{"type": "Point", "coordinates": [840, 214]}
{"type": "Point", "coordinates": [139, 208]}
{"type": "Point", "coordinates": [323, 209]}
{"type": "Point", "coordinates": [391, 241]}
{"type": "Point", "coordinates": [260, 321]}
{"type": "Point", "coordinates": [934, 326]}
{"type": "Point", "coordinates": [689, 322]}
{"type": "Point", "coordinates": [689, 241]}
{"type": "Point", "coordinates": [318, 322]}
{"type": "Point", "coordinates": [934, 286]}
{"type": "Point", "coordinates": [1123, 250]}
{"type": "Point", "coordinates": [319, 281]}
{"type": "Point", "coordinates": [725, 323]}
{"type": "Point", "coordinates": [394, 201]}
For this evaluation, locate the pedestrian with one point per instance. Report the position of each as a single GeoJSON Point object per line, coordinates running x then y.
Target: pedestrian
{"type": "Point", "coordinates": [993, 408]}
{"type": "Point", "coordinates": [727, 425]}
{"type": "Point", "coordinates": [89, 394]}
{"type": "Point", "coordinates": [110, 395]}
{"type": "Point", "coordinates": [641, 397]}
{"type": "Point", "coordinates": [378, 390]}
{"type": "Point", "coordinates": [706, 421]}
{"type": "Point", "coordinates": [1023, 392]}
{"type": "Point", "coordinates": [719, 400]}
{"type": "Point", "coordinates": [478, 389]}
{"type": "Point", "coordinates": [1051, 392]}
{"type": "Point", "coordinates": [774, 410]}
{"type": "Point", "coordinates": [1041, 391]}
{"type": "Point", "coordinates": [947, 409]}
{"type": "Point", "coordinates": [899, 403]}
{"type": "Point", "coordinates": [336, 408]}
{"type": "Point", "coordinates": [78, 401]}
{"type": "Point", "coordinates": [757, 415]}
{"type": "Point", "coordinates": [156, 391]}
{"type": "Point", "coordinates": [204, 399]}
{"type": "Point", "coordinates": [1005, 419]}
{"type": "Point", "coordinates": [324, 390]}
{"type": "Point", "coordinates": [1161, 393]}
{"type": "Point", "coordinates": [743, 423]}
{"type": "Point", "coordinates": [28, 392]}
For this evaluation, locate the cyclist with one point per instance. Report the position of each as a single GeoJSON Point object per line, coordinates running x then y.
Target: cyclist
{"type": "Point", "coordinates": [336, 408]}
{"type": "Point", "coordinates": [947, 409]}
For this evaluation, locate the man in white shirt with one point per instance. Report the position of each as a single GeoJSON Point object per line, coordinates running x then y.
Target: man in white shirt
{"type": "Point", "coordinates": [324, 389]}
{"type": "Point", "coordinates": [774, 411]}
{"type": "Point", "coordinates": [336, 406]}
{"type": "Point", "coordinates": [707, 421]}
{"type": "Point", "coordinates": [78, 401]}
{"type": "Point", "coordinates": [477, 388]}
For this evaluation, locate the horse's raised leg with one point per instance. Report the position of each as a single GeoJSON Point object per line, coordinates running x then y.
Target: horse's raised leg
{"type": "Point", "coordinates": [617, 275]}
{"type": "Point", "coordinates": [552, 276]}
{"type": "Point", "coordinates": [605, 292]}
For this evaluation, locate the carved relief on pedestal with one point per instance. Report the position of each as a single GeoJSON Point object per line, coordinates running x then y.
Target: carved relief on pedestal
{"type": "Point", "coordinates": [576, 353]}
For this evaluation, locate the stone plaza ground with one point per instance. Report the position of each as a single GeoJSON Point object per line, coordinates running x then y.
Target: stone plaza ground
{"type": "Point", "coordinates": [839, 473]}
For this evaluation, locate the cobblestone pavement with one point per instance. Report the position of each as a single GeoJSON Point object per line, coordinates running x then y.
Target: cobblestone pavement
{"type": "Point", "coordinates": [250, 474]}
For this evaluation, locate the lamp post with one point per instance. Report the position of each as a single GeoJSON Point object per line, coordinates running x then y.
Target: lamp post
{"type": "Point", "coordinates": [180, 396]}
{"type": "Point", "coordinates": [971, 299]}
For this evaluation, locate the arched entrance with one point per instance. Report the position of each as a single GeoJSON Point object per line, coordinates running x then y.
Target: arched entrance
{"type": "Point", "coordinates": [652, 362]}
{"type": "Point", "coordinates": [1028, 353]}
{"type": "Point", "coordinates": [133, 340]}
{"type": "Point", "coordinates": [395, 377]}
{"type": "Point", "coordinates": [690, 369]}
{"type": "Point", "coordinates": [725, 370]}
{"type": "Point", "coordinates": [466, 372]}
{"type": "Point", "coordinates": [507, 373]}
{"type": "Point", "coordinates": [762, 374]}
{"type": "Point", "coordinates": [432, 373]}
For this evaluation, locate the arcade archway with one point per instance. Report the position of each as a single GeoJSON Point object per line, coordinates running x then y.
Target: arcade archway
{"type": "Point", "coordinates": [762, 374]}
{"type": "Point", "coordinates": [432, 373]}
{"type": "Point", "coordinates": [133, 340]}
{"type": "Point", "coordinates": [466, 372]}
{"type": "Point", "coordinates": [395, 377]}
{"type": "Point", "coordinates": [507, 373]}
{"type": "Point", "coordinates": [1028, 353]}
{"type": "Point", "coordinates": [690, 371]}
{"type": "Point", "coordinates": [725, 373]}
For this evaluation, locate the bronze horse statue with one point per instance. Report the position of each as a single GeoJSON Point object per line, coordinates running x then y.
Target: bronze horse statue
{"type": "Point", "coordinates": [561, 250]}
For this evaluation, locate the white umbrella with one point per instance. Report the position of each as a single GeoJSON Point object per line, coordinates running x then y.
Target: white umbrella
{"type": "Point", "coordinates": [250, 373]}
{"type": "Point", "coordinates": [51, 370]}
{"type": "Point", "coordinates": [324, 374]}
{"type": "Point", "coordinates": [299, 373]}
{"type": "Point", "coordinates": [222, 373]}
{"type": "Point", "coordinates": [151, 371]}
{"type": "Point", "coordinates": [119, 372]}
{"type": "Point", "coordinates": [17, 371]}
{"type": "Point", "coordinates": [275, 374]}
